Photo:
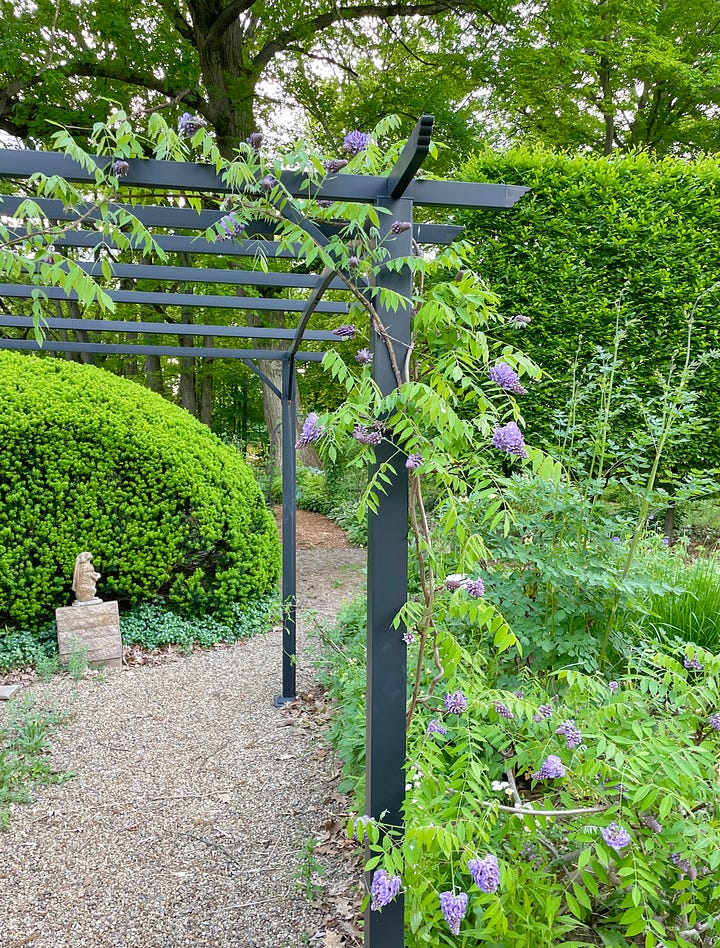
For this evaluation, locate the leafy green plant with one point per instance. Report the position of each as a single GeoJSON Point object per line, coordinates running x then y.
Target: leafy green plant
{"type": "Point", "coordinates": [692, 612]}
{"type": "Point", "coordinates": [24, 749]}
{"type": "Point", "coordinates": [309, 871]}
{"type": "Point", "coordinates": [89, 461]}
{"type": "Point", "coordinates": [77, 662]}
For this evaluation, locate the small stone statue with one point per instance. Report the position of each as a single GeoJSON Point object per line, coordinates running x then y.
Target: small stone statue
{"type": "Point", "coordinates": [84, 580]}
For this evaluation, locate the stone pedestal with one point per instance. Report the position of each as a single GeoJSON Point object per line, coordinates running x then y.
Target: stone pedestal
{"type": "Point", "coordinates": [94, 626]}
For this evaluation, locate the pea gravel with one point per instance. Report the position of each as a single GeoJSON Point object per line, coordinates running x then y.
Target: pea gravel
{"type": "Point", "coordinates": [192, 801]}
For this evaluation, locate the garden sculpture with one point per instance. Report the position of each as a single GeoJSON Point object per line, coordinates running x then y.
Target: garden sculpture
{"type": "Point", "coordinates": [84, 580]}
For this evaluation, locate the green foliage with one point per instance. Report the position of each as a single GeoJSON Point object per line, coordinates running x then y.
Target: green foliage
{"type": "Point", "coordinates": [596, 242]}
{"type": "Point", "coordinates": [20, 647]}
{"type": "Point", "coordinates": [92, 462]}
{"type": "Point", "coordinates": [692, 612]}
{"type": "Point", "coordinates": [309, 871]}
{"type": "Point", "coordinates": [153, 626]}
{"type": "Point", "coordinates": [24, 750]}
{"type": "Point", "coordinates": [647, 752]}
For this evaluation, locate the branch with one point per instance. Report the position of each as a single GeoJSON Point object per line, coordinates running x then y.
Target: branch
{"type": "Point", "coordinates": [113, 70]}
{"type": "Point", "coordinates": [178, 20]}
{"type": "Point", "coordinates": [227, 17]}
{"type": "Point", "coordinates": [317, 24]}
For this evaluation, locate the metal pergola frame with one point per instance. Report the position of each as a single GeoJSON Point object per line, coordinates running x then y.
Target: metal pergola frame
{"type": "Point", "coordinates": [387, 558]}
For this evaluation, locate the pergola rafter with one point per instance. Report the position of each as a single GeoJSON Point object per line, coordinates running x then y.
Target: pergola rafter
{"type": "Point", "coordinates": [395, 196]}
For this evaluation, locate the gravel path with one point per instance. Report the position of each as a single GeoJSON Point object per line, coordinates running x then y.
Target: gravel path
{"type": "Point", "coordinates": [192, 801]}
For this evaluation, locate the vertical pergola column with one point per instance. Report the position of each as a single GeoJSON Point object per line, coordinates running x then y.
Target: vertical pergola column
{"type": "Point", "coordinates": [387, 569]}
{"type": "Point", "coordinates": [289, 472]}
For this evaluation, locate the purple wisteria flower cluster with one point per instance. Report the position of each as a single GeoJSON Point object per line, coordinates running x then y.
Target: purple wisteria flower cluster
{"type": "Point", "coordinates": [453, 908]}
{"type": "Point", "coordinates": [367, 435]}
{"type": "Point", "coordinates": [510, 439]}
{"type": "Point", "coordinates": [507, 379]}
{"type": "Point", "coordinates": [268, 182]}
{"type": "Point", "coordinates": [651, 822]}
{"type": "Point", "coordinates": [543, 712]}
{"type": "Point", "coordinates": [614, 686]}
{"type": "Point", "coordinates": [436, 727]}
{"type": "Point", "coordinates": [355, 142]}
{"type": "Point", "coordinates": [363, 357]}
{"type": "Point", "coordinates": [119, 167]}
{"type": "Point", "coordinates": [335, 164]}
{"type": "Point", "coordinates": [383, 889]}
{"type": "Point", "coordinates": [347, 331]}
{"type": "Point", "coordinates": [399, 227]}
{"type": "Point", "coordinates": [616, 836]}
{"type": "Point", "coordinates": [520, 319]}
{"type": "Point", "coordinates": [230, 227]}
{"type": "Point", "coordinates": [473, 587]}
{"type": "Point", "coordinates": [552, 768]}
{"type": "Point", "coordinates": [455, 702]}
{"type": "Point", "coordinates": [311, 431]}
{"type": "Point", "coordinates": [485, 873]}
{"type": "Point", "coordinates": [571, 733]}
{"type": "Point", "coordinates": [413, 461]}
{"type": "Point", "coordinates": [693, 663]}
{"type": "Point", "coordinates": [189, 124]}
{"type": "Point", "coordinates": [255, 140]}
{"type": "Point", "coordinates": [714, 721]}
{"type": "Point", "coordinates": [503, 710]}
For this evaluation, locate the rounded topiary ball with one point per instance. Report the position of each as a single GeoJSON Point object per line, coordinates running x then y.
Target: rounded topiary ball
{"type": "Point", "coordinates": [90, 461]}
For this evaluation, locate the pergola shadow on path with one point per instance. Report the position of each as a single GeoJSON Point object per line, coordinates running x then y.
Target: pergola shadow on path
{"type": "Point", "coordinates": [173, 230]}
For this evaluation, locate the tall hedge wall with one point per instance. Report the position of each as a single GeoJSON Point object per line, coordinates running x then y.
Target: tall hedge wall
{"type": "Point", "coordinates": [594, 231]}
{"type": "Point", "coordinates": [89, 461]}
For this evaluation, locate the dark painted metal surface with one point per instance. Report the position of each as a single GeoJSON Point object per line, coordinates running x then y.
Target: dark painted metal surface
{"type": "Point", "coordinates": [289, 592]}
{"type": "Point", "coordinates": [179, 175]}
{"type": "Point", "coordinates": [166, 329]}
{"type": "Point", "coordinates": [387, 591]}
{"type": "Point", "coordinates": [185, 352]}
{"type": "Point", "coordinates": [411, 157]}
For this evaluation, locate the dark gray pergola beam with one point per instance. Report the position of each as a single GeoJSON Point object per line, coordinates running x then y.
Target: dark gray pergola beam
{"type": "Point", "coordinates": [312, 305]}
{"type": "Point", "coordinates": [411, 157]}
{"type": "Point", "coordinates": [189, 219]}
{"type": "Point", "coordinates": [177, 244]}
{"type": "Point", "coordinates": [185, 176]}
{"type": "Point", "coordinates": [177, 352]}
{"type": "Point", "coordinates": [198, 300]}
{"type": "Point", "coordinates": [284, 279]}
{"type": "Point", "coordinates": [166, 329]}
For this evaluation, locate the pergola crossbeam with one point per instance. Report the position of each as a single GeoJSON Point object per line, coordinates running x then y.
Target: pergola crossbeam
{"type": "Point", "coordinates": [177, 352]}
{"type": "Point", "coordinates": [411, 157]}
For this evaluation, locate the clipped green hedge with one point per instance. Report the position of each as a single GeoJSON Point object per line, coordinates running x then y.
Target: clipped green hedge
{"type": "Point", "coordinates": [592, 234]}
{"type": "Point", "coordinates": [89, 461]}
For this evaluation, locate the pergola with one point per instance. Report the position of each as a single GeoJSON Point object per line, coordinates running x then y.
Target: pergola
{"type": "Point", "coordinates": [398, 194]}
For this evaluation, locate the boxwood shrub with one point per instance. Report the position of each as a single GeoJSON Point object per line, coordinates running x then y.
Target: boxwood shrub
{"type": "Point", "coordinates": [90, 461]}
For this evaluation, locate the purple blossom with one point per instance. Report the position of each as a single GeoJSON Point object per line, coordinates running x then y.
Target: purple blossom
{"type": "Point", "coordinates": [509, 438]}
{"type": "Point", "coordinates": [353, 260]}
{"type": "Point", "coordinates": [413, 461]}
{"type": "Point", "coordinates": [616, 836]}
{"type": "Point", "coordinates": [485, 873]}
{"type": "Point", "coordinates": [651, 822]}
{"type": "Point", "coordinates": [119, 167]}
{"type": "Point", "coordinates": [455, 702]}
{"type": "Point", "coordinates": [230, 227]}
{"type": "Point", "coordinates": [310, 431]}
{"type": "Point", "coordinates": [519, 694]}
{"type": "Point", "coordinates": [616, 539]}
{"type": "Point", "coordinates": [455, 581]}
{"type": "Point", "coordinates": [189, 124]}
{"type": "Point", "coordinates": [666, 541]}
{"type": "Point", "coordinates": [435, 727]}
{"type": "Point", "coordinates": [363, 356]}
{"type": "Point", "coordinates": [693, 663]}
{"type": "Point", "coordinates": [552, 769]}
{"type": "Point", "coordinates": [255, 140]}
{"type": "Point", "coordinates": [571, 733]}
{"type": "Point", "coordinates": [474, 588]}
{"type": "Point", "coordinates": [345, 332]}
{"type": "Point", "coordinates": [337, 164]}
{"type": "Point", "coordinates": [267, 183]}
{"type": "Point", "coordinates": [507, 379]}
{"type": "Point", "coordinates": [360, 826]}
{"type": "Point", "coordinates": [520, 319]}
{"type": "Point", "coordinates": [383, 890]}
{"type": "Point", "coordinates": [453, 908]}
{"type": "Point", "coordinates": [355, 142]}
{"type": "Point", "coordinates": [614, 686]}
{"type": "Point", "coordinates": [399, 227]}
{"type": "Point", "coordinates": [364, 436]}
{"type": "Point", "coordinates": [543, 712]}
{"type": "Point", "coordinates": [714, 721]}
{"type": "Point", "coordinates": [324, 204]}
{"type": "Point", "coordinates": [408, 637]}
{"type": "Point", "coordinates": [503, 710]}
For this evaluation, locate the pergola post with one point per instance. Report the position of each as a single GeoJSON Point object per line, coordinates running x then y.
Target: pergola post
{"type": "Point", "coordinates": [289, 471]}
{"type": "Point", "coordinates": [387, 574]}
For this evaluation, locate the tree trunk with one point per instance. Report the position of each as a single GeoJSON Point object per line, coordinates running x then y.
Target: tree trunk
{"type": "Point", "coordinates": [153, 373]}
{"type": "Point", "coordinates": [206, 387]}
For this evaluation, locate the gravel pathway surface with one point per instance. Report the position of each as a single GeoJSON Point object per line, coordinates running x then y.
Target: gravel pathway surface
{"type": "Point", "coordinates": [192, 801]}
